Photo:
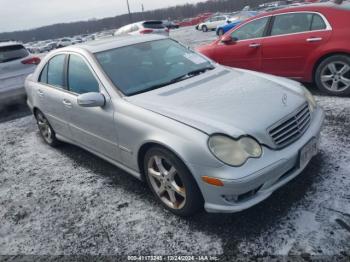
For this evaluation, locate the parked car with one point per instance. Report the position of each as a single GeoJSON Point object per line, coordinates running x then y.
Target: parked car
{"type": "Point", "coordinates": [308, 43]}
{"type": "Point", "coordinates": [16, 63]}
{"type": "Point", "coordinates": [213, 22]}
{"type": "Point", "coordinates": [76, 40]}
{"type": "Point", "coordinates": [144, 27]}
{"type": "Point", "coordinates": [234, 21]}
{"type": "Point", "coordinates": [170, 24]}
{"type": "Point", "coordinates": [48, 46]}
{"type": "Point", "coordinates": [199, 133]}
{"type": "Point", "coordinates": [195, 20]}
{"type": "Point", "coordinates": [64, 42]}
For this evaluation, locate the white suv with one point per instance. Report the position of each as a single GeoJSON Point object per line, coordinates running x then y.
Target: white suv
{"type": "Point", "coordinates": [212, 22]}
{"type": "Point", "coordinates": [16, 63]}
{"type": "Point", "coordinates": [144, 27]}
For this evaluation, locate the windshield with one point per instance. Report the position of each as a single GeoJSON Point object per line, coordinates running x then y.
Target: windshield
{"type": "Point", "coordinates": [149, 65]}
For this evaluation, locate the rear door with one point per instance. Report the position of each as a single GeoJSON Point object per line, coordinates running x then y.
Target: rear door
{"type": "Point", "coordinates": [293, 38]}
{"type": "Point", "coordinates": [245, 51]}
{"type": "Point", "coordinates": [52, 94]}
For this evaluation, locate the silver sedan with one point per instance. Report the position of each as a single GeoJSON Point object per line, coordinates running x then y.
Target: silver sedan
{"type": "Point", "coordinates": [200, 134]}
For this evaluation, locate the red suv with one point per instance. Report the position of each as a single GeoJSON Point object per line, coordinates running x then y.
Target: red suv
{"type": "Point", "coordinates": [307, 43]}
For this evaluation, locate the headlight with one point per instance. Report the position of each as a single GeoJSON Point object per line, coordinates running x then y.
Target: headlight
{"type": "Point", "coordinates": [311, 100]}
{"type": "Point", "coordinates": [234, 152]}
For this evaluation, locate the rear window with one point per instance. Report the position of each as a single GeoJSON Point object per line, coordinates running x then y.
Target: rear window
{"type": "Point", "coordinates": [13, 52]}
{"type": "Point", "coordinates": [153, 25]}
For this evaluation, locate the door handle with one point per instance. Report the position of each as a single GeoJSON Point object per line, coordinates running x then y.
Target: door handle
{"type": "Point", "coordinates": [40, 93]}
{"type": "Point", "coordinates": [67, 103]}
{"type": "Point", "coordinates": [254, 45]}
{"type": "Point", "coordinates": [314, 39]}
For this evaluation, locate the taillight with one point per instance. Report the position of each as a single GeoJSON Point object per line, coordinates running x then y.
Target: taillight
{"type": "Point", "coordinates": [167, 30]}
{"type": "Point", "coordinates": [146, 31]}
{"type": "Point", "coordinates": [31, 61]}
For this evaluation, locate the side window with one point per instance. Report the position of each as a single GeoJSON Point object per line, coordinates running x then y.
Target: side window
{"type": "Point", "coordinates": [317, 23]}
{"type": "Point", "coordinates": [291, 23]}
{"type": "Point", "coordinates": [43, 75]}
{"type": "Point", "coordinates": [55, 73]}
{"type": "Point", "coordinates": [254, 29]}
{"type": "Point", "coordinates": [80, 78]}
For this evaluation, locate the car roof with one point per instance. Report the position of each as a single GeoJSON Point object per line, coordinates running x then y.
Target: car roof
{"type": "Point", "coordinates": [116, 42]}
{"type": "Point", "coordinates": [317, 7]}
{"type": "Point", "coordinates": [9, 43]}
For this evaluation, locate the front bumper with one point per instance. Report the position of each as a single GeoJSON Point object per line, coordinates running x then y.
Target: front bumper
{"type": "Point", "coordinates": [258, 178]}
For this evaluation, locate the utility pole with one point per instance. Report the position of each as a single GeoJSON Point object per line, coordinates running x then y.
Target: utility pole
{"type": "Point", "coordinates": [127, 3]}
{"type": "Point", "coordinates": [142, 8]}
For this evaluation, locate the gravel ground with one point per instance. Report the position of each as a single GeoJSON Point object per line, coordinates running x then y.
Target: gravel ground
{"type": "Point", "coordinates": [65, 201]}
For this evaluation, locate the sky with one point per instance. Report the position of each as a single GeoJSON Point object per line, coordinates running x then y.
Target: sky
{"type": "Point", "coordinates": [27, 14]}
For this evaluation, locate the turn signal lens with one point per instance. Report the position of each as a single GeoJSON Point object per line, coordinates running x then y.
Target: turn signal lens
{"type": "Point", "coordinates": [212, 181]}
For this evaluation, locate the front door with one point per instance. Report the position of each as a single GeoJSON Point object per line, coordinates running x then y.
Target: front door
{"type": "Point", "coordinates": [92, 127]}
{"type": "Point", "coordinates": [245, 50]}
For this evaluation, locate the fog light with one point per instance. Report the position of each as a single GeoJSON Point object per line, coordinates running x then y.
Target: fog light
{"type": "Point", "coordinates": [212, 181]}
{"type": "Point", "coordinates": [230, 198]}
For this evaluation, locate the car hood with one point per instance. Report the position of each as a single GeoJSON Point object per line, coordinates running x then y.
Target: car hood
{"type": "Point", "coordinates": [231, 101]}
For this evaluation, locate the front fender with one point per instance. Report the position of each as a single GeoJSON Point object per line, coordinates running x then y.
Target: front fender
{"type": "Point", "coordinates": [137, 126]}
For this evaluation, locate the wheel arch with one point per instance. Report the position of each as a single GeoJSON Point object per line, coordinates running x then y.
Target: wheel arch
{"type": "Point", "coordinates": [148, 145]}
{"type": "Point", "coordinates": [35, 110]}
{"type": "Point", "coordinates": [322, 58]}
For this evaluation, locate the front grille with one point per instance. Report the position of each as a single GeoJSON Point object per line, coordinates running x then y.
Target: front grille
{"type": "Point", "coordinates": [292, 127]}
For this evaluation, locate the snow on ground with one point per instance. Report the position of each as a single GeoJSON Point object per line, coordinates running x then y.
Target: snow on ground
{"type": "Point", "coordinates": [67, 201]}
{"type": "Point", "coordinates": [320, 223]}
{"type": "Point", "coordinates": [52, 204]}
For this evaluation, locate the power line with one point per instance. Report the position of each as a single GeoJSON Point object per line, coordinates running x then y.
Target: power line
{"type": "Point", "coordinates": [127, 3]}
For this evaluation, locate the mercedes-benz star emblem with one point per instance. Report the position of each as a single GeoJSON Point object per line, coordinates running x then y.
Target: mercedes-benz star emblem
{"type": "Point", "coordinates": [284, 99]}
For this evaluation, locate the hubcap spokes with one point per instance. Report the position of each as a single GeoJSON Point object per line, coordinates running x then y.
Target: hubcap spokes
{"type": "Point", "coordinates": [166, 182]}
{"type": "Point", "coordinates": [336, 76]}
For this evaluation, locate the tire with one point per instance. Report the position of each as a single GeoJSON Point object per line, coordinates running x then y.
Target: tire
{"type": "Point", "coordinates": [45, 129]}
{"type": "Point", "coordinates": [167, 175]}
{"type": "Point", "coordinates": [332, 76]}
{"type": "Point", "coordinates": [220, 32]}
{"type": "Point", "coordinates": [204, 28]}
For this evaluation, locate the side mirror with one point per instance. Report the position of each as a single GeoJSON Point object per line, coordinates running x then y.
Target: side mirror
{"type": "Point", "coordinates": [227, 40]}
{"type": "Point", "coordinates": [228, 21]}
{"type": "Point", "coordinates": [91, 100]}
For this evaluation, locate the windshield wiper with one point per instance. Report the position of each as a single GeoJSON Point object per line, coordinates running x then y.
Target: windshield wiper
{"type": "Point", "coordinates": [177, 79]}
{"type": "Point", "coordinates": [191, 74]}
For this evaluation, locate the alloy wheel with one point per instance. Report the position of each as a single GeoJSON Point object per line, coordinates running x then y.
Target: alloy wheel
{"type": "Point", "coordinates": [335, 76]}
{"type": "Point", "coordinates": [44, 127]}
{"type": "Point", "coordinates": [166, 182]}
